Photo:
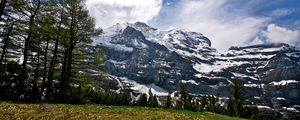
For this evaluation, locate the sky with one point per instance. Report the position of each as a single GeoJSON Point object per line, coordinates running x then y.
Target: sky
{"type": "Point", "coordinates": [225, 22]}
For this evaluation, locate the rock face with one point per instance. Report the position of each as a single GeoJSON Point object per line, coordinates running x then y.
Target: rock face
{"type": "Point", "coordinates": [141, 57]}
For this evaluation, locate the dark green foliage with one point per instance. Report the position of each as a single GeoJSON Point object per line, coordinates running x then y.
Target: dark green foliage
{"type": "Point", "coordinates": [230, 107]}
{"type": "Point", "coordinates": [168, 102]}
{"type": "Point", "coordinates": [152, 101]}
{"type": "Point", "coordinates": [195, 105]}
{"type": "Point", "coordinates": [237, 99]}
{"type": "Point", "coordinates": [142, 100]}
{"type": "Point", "coordinates": [185, 99]}
{"type": "Point", "coordinates": [211, 103]}
{"type": "Point", "coordinates": [45, 34]}
{"type": "Point", "coordinates": [32, 92]}
{"type": "Point", "coordinates": [82, 95]}
{"type": "Point", "coordinates": [250, 112]}
{"type": "Point", "coordinates": [236, 105]}
{"type": "Point", "coordinates": [203, 103]}
{"type": "Point", "coordinates": [9, 83]}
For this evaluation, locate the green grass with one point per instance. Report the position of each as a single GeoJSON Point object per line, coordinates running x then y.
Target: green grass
{"type": "Point", "coordinates": [11, 111]}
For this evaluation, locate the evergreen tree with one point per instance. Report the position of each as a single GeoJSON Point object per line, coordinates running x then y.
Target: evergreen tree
{"type": "Point", "coordinates": [195, 105]}
{"type": "Point", "coordinates": [168, 102]}
{"type": "Point", "coordinates": [153, 101]}
{"type": "Point", "coordinates": [79, 27]}
{"type": "Point", "coordinates": [237, 98]}
{"type": "Point", "coordinates": [185, 97]}
{"type": "Point", "coordinates": [33, 7]}
{"type": "Point", "coordinates": [203, 103]}
{"type": "Point", "coordinates": [42, 35]}
{"type": "Point", "coordinates": [142, 100]}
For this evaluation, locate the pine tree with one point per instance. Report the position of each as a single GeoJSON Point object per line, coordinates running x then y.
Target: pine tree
{"type": "Point", "coordinates": [152, 101]}
{"type": "Point", "coordinates": [185, 97]}
{"type": "Point", "coordinates": [41, 35]}
{"type": "Point", "coordinates": [203, 103]}
{"type": "Point", "coordinates": [33, 8]}
{"type": "Point", "coordinates": [142, 100]}
{"type": "Point", "coordinates": [237, 98]}
{"type": "Point", "coordinates": [80, 27]}
{"type": "Point", "coordinates": [168, 102]}
{"type": "Point", "coordinates": [230, 107]}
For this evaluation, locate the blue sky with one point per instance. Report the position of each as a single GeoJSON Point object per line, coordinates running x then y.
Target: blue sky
{"type": "Point", "coordinates": [225, 22]}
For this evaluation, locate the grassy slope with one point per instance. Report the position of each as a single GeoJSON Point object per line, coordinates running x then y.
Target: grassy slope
{"type": "Point", "coordinates": [91, 112]}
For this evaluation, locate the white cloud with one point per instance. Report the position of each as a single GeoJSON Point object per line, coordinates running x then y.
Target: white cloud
{"type": "Point", "coordinates": [281, 12]}
{"type": "Point", "coordinates": [277, 34]}
{"type": "Point", "coordinates": [224, 22]}
{"type": "Point", "coordinates": [222, 26]}
{"type": "Point", "coordinates": [256, 41]}
{"type": "Point", "coordinates": [110, 12]}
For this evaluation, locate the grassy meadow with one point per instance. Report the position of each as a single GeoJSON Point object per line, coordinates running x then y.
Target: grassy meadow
{"type": "Point", "coordinates": [12, 111]}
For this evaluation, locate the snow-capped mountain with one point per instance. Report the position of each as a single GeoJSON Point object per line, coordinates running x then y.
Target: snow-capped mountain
{"type": "Point", "coordinates": [141, 57]}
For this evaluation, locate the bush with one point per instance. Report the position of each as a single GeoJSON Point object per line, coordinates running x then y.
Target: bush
{"type": "Point", "coordinates": [10, 84]}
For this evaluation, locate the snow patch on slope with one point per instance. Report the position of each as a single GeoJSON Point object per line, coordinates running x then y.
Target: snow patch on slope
{"type": "Point", "coordinates": [217, 66]}
{"type": "Point", "coordinates": [243, 75]}
{"type": "Point", "coordinates": [283, 82]}
{"type": "Point", "coordinates": [190, 81]}
{"type": "Point", "coordinates": [140, 88]}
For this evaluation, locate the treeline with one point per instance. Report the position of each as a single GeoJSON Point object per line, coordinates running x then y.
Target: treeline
{"type": "Point", "coordinates": [236, 105]}
{"type": "Point", "coordinates": [44, 49]}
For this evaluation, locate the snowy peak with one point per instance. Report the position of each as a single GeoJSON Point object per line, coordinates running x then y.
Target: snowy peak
{"type": "Point", "coordinates": [193, 38]}
{"type": "Point", "coordinates": [159, 36]}
{"type": "Point", "coordinates": [135, 36]}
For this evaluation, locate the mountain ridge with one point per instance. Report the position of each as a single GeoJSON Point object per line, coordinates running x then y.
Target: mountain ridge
{"type": "Point", "coordinates": [140, 56]}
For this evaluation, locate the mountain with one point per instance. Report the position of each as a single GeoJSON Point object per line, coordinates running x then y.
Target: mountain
{"type": "Point", "coordinates": [141, 57]}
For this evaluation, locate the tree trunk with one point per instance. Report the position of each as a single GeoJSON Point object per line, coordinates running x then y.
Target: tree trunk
{"type": "Point", "coordinates": [45, 68]}
{"type": "Point", "coordinates": [63, 71]}
{"type": "Point", "coordinates": [71, 46]}
{"type": "Point", "coordinates": [37, 67]}
{"type": "Point", "coordinates": [37, 64]}
{"type": "Point", "coordinates": [53, 62]}
{"type": "Point", "coordinates": [36, 72]}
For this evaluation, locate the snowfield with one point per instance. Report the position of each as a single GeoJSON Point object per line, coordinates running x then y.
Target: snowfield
{"type": "Point", "coordinates": [283, 82]}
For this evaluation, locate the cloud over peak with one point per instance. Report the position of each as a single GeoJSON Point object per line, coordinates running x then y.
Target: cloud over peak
{"type": "Point", "coordinates": [109, 12]}
{"type": "Point", "coordinates": [278, 34]}
{"type": "Point", "coordinates": [223, 26]}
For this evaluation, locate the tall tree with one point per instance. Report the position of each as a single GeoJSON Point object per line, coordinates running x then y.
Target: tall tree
{"type": "Point", "coordinates": [237, 98]}
{"type": "Point", "coordinates": [184, 97]}
{"type": "Point", "coordinates": [33, 7]}
{"type": "Point", "coordinates": [142, 101]}
{"type": "Point", "coordinates": [80, 27]}
{"type": "Point", "coordinates": [153, 101]}
{"type": "Point", "coordinates": [168, 102]}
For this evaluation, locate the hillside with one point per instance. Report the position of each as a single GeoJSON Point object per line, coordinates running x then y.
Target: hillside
{"type": "Point", "coordinates": [84, 112]}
